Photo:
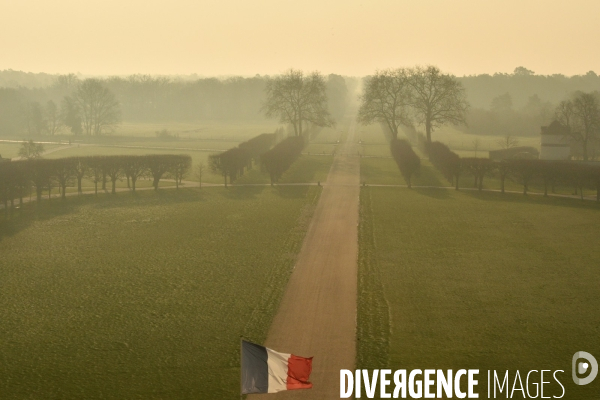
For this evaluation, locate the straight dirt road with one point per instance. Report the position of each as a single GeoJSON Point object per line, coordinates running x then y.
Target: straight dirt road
{"type": "Point", "coordinates": [317, 315]}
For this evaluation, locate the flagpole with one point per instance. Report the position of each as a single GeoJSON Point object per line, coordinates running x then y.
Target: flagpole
{"type": "Point", "coordinates": [241, 369]}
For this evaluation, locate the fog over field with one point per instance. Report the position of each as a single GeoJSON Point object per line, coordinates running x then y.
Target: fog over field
{"type": "Point", "coordinates": [223, 200]}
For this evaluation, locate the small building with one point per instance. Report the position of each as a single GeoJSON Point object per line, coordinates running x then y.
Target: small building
{"type": "Point", "coordinates": [555, 142]}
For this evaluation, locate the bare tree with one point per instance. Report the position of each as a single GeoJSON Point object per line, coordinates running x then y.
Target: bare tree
{"type": "Point", "coordinates": [437, 99]}
{"type": "Point", "coordinates": [297, 100]}
{"type": "Point", "coordinates": [179, 168]}
{"type": "Point", "coordinates": [31, 150]}
{"type": "Point", "coordinates": [508, 142]}
{"type": "Point", "coordinates": [476, 144]}
{"type": "Point", "coordinates": [99, 109]}
{"type": "Point", "coordinates": [199, 173]}
{"type": "Point", "coordinates": [564, 113]}
{"type": "Point", "coordinates": [582, 117]}
{"type": "Point", "coordinates": [64, 171]}
{"type": "Point", "coordinates": [34, 118]}
{"type": "Point", "coordinates": [135, 167]}
{"type": "Point", "coordinates": [70, 115]}
{"type": "Point", "coordinates": [385, 99]}
{"type": "Point", "coordinates": [95, 171]}
{"type": "Point", "coordinates": [54, 122]}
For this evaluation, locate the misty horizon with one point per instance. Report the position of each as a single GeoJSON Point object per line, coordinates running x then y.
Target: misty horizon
{"type": "Point", "coordinates": [352, 39]}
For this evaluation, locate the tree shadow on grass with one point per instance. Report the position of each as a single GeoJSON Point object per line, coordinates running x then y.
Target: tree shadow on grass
{"type": "Point", "coordinates": [32, 212]}
{"type": "Point", "coordinates": [429, 177]}
{"type": "Point", "coordinates": [292, 192]}
{"type": "Point", "coordinates": [434, 192]}
{"type": "Point", "coordinates": [242, 192]}
{"type": "Point", "coordinates": [21, 219]}
{"type": "Point", "coordinates": [531, 199]}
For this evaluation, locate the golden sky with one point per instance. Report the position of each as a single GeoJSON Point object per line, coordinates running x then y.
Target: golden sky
{"type": "Point", "coordinates": [349, 37]}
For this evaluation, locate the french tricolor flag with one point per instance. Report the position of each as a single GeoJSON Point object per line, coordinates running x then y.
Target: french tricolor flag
{"type": "Point", "coordinates": [268, 371]}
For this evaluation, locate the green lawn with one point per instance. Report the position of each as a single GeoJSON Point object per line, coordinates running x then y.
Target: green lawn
{"type": "Point", "coordinates": [306, 169]}
{"type": "Point", "coordinates": [11, 149]}
{"type": "Point", "coordinates": [146, 295]}
{"type": "Point", "coordinates": [384, 171]}
{"type": "Point", "coordinates": [208, 129]}
{"type": "Point", "coordinates": [455, 280]}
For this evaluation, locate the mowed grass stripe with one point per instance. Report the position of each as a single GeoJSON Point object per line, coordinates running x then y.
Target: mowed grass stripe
{"type": "Point", "coordinates": [480, 280]}
{"type": "Point", "coordinates": [143, 296]}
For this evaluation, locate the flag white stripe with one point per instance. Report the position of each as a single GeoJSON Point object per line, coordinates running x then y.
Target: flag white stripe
{"type": "Point", "coordinates": [278, 370]}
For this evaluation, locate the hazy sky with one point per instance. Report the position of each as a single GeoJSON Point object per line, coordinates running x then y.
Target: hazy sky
{"type": "Point", "coordinates": [348, 37]}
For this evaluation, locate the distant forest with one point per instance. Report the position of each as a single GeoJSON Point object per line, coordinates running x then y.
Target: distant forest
{"type": "Point", "coordinates": [501, 104]}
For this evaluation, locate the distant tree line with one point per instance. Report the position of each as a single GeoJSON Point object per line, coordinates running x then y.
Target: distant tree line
{"type": "Point", "coordinates": [17, 178]}
{"type": "Point", "coordinates": [522, 84]}
{"type": "Point", "coordinates": [87, 107]}
{"type": "Point", "coordinates": [58, 108]}
{"type": "Point", "coordinates": [232, 163]}
{"type": "Point", "coordinates": [575, 174]}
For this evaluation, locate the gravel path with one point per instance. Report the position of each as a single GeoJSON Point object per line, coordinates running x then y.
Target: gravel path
{"type": "Point", "coordinates": [317, 315]}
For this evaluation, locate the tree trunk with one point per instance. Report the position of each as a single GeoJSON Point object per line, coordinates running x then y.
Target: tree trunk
{"type": "Point", "coordinates": [481, 183]}
{"type": "Point", "coordinates": [394, 130]}
{"type": "Point", "coordinates": [103, 181]}
{"type": "Point", "coordinates": [524, 188]}
{"type": "Point", "coordinates": [114, 184]}
{"type": "Point", "coordinates": [428, 130]}
{"type": "Point", "coordinates": [457, 183]}
{"type": "Point", "coordinates": [502, 178]}
{"type": "Point", "coordinates": [133, 180]}
{"type": "Point", "coordinates": [585, 152]}
{"type": "Point", "coordinates": [79, 185]}
{"type": "Point", "coordinates": [63, 193]}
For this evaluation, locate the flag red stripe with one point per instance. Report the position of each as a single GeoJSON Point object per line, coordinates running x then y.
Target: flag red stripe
{"type": "Point", "coordinates": [299, 369]}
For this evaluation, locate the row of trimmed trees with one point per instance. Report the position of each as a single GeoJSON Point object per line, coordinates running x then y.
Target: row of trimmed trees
{"type": "Point", "coordinates": [407, 160]}
{"type": "Point", "coordinates": [17, 178]}
{"type": "Point", "coordinates": [232, 163]}
{"type": "Point", "coordinates": [277, 160]}
{"type": "Point", "coordinates": [549, 173]}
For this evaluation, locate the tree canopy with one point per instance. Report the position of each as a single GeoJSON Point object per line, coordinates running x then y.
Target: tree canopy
{"type": "Point", "coordinates": [386, 99]}
{"type": "Point", "coordinates": [405, 96]}
{"type": "Point", "coordinates": [297, 100]}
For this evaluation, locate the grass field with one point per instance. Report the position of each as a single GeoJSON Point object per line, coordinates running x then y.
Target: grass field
{"type": "Point", "coordinates": [143, 296]}
{"type": "Point", "coordinates": [477, 280]}
{"type": "Point", "coordinates": [464, 144]}
{"type": "Point", "coordinates": [11, 149]}
{"type": "Point", "coordinates": [384, 171]}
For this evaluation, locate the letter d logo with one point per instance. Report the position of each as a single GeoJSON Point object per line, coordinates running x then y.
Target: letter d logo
{"type": "Point", "coordinates": [582, 367]}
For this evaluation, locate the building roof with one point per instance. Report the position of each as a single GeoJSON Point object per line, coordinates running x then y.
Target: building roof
{"type": "Point", "coordinates": [555, 128]}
